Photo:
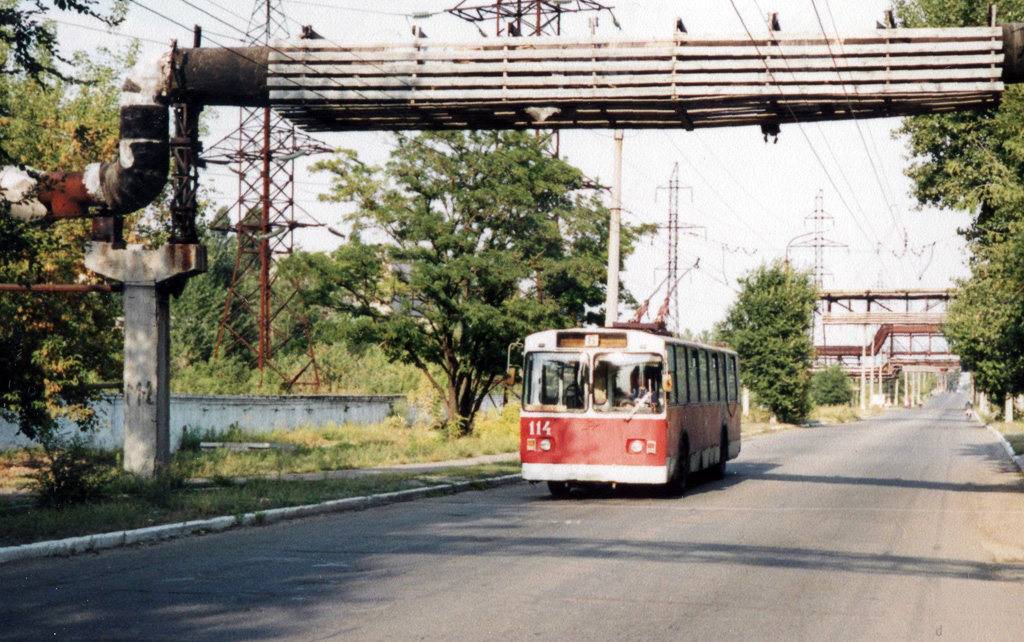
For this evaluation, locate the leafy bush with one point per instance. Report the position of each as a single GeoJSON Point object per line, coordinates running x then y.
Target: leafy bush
{"type": "Point", "coordinates": [67, 473]}
{"type": "Point", "coordinates": [831, 387]}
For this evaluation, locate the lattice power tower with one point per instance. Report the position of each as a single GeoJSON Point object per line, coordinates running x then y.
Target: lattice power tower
{"type": "Point", "coordinates": [260, 314]}
{"type": "Point", "coordinates": [524, 17]}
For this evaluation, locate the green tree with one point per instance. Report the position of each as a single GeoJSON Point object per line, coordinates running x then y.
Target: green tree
{"type": "Point", "coordinates": [974, 162]}
{"type": "Point", "coordinates": [769, 326]}
{"type": "Point", "coordinates": [52, 344]}
{"type": "Point", "coordinates": [31, 42]}
{"type": "Point", "coordinates": [831, 387]}
{"type": "Point", "coordinates": [985, 324]}
{"type": "Point", "coordinates": [461, 245]}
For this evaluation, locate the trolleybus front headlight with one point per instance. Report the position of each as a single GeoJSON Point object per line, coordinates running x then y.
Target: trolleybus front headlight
{"type": "Point", "coordinates": [545, 444]}
{"type": "Point", "coordinates": [635, 446]}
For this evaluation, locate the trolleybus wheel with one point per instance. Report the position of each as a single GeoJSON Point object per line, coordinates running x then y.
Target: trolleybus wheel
{"type": "Point", "coordinates": [676, 484]}
{"type": "Point", "coordinates": [558, 488]}
{"type": "Point", "coordinates": [723, 455]}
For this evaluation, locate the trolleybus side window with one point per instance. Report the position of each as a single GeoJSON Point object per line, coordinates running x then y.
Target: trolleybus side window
{"type": "Point", "coordinates": [694, 378]}
{"type": "Point", "coordinates": [625, 381]}
{"type": "Point", "coordinates": [682, 383]}
{"type": "Point", "coordinates": [734, 384]}
{"type": "Point", "coordinates": [716, 388]}
{"type": "Point", "coordinates": [702, 369]}
{"type": "Point", "coordinates": [723, 369]}
{"type": "Point", "coordinates": [727, 385]}
{"type": "Point", "coordinates": [672, 396]}
{"type": "Point", "coordinates": [555, 381]}
{"type": "Point", "coordinates": [730, 384]}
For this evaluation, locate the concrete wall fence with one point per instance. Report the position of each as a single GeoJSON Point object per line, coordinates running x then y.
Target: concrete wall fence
{"type": "Point", "coordinates": [256, 413]}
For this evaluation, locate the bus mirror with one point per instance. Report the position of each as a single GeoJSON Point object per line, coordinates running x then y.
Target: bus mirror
{"type": "Point", "coordinates": [511, 380]}
{"type": "Point", "coordinates": [666, 382]}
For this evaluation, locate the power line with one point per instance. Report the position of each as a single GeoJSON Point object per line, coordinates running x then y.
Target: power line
{"type": "Point", "coordinates": [721, 198]}
{"type": "Point", "coordinates": [795, 119]}
{"type": "Point", "coordinates": [106, 32]}
{"type": "Point", "coordinates": [417, 14]}
{"type": "Point", "coordinates": [856, 122]}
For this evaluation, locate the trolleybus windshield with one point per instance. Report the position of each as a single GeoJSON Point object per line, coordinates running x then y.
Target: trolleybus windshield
{"type": "Point", "coordinates": [628, 382]}
{"type": "Point", "coordinates": [555, 381]}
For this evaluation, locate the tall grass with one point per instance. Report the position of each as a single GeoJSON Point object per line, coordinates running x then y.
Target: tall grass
{"type": "Point", "coordinates": [334, 447]}
{"type": "Point", "coordinates": [832, 415]}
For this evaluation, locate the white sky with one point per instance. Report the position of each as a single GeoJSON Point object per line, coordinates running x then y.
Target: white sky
{"type": "Point", "coordinates": [751, 197]}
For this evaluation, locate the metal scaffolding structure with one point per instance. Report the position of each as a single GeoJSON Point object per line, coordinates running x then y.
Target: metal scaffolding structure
{"type": "Point", "coordinates": [907, 329]}
{"type": "Point", "coordinates": [260, 314]}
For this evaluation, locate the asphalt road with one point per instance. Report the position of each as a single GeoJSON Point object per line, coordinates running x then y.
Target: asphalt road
{"type": "Point", "coordinates": [909, 527]}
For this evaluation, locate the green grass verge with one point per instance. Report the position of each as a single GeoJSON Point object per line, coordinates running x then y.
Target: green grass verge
{"type": "Point", "coordinates": [1014, 433]}
{"type": "Point", "coordinates": [333, 447]}
{"type": "Point", "coordinates": [833, 415]}
{"type": "Point", "coordinates": [143, 504]}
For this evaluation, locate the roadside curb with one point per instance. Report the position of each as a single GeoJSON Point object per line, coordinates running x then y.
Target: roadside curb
{"type": "Point", "coordinates": [101, 541]}
{"type": "Point", "coordinates": [1017, 459]}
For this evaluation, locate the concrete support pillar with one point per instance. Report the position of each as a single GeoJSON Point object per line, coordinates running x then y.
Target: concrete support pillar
{"type": "Point", "coordinates": [896, 391]}
{"type": "Point", "coordinates": [863, 363]}
{"type": "Point", "coordinates": [982, 402]}
{"type": "Point", "coordinates": [871, 382]}
{"type": "Point", "coordinates": [746, 401]}
{"type": "Point", "coordinates": [1008, 409]}
{"type": "Point", "coordinates": [881, 382]}
{"type": "Point", "coordinates": [146, 275]}
{"type": "Point", "coordinates": [612, 291]}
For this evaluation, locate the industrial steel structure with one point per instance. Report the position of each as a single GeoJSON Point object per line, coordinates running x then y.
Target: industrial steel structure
{"type": "Point", "coordinates": [260, 313]}
{"type": "Point", "coordinates": [906, 334]}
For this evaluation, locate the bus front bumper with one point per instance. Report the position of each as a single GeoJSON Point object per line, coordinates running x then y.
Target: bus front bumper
{"type": "Point", "coordinates": [597, 473]}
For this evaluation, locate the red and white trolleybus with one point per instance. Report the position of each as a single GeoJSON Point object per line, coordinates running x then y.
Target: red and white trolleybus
{"type": "Point", "coordinates": [615, 405]}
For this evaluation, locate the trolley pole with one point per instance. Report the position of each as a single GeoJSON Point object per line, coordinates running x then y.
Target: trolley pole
{"type": "Point", "coordinates": [612, 300]}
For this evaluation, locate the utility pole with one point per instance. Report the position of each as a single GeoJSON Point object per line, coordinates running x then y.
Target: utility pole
{"type": "Point", "coordinates": [612, 295]}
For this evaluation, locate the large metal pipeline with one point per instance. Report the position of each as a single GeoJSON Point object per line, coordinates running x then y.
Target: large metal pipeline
{"type": "Point", "coordinates": [129, 183]}
{"type": "Point", "coordinates": [246, 77]}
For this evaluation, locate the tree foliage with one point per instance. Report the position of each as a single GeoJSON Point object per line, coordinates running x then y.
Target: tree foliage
{"type": "Point", "coordinates": [974, 162]}
{"type": "Point", "coordinates": [32, 43]}
{"type": "Point", "coordinates": [52, 344]}
{"type": "Point", "coordinates": [831, 387]}
{"type": "Point", "coordinates": [461, 245]}
{"type": "Point", "coordinates": [769, 326]}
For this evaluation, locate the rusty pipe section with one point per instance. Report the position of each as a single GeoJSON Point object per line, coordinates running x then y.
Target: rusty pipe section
{"type": "Point", "coordinates": [129, 183]}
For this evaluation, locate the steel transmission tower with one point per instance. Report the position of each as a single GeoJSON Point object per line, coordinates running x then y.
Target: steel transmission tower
{"type": "Point", "coordinates": [817, 240]}
{"type": "Point", "coordinates": [675, 229]}
{"type": "Point", "coordinates": [260, 315]}
{"type": "Point", "coordinates": [524, 17]}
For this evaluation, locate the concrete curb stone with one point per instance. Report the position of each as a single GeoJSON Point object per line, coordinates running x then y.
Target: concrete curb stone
{"type": "Point", "coordinates": [101, 541]}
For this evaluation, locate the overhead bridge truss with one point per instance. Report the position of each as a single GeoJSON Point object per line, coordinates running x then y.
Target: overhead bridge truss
{"type": "Point", "coordinates": [688, 81]}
